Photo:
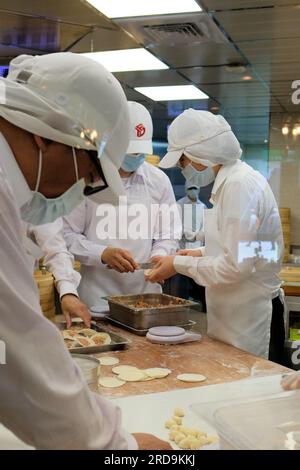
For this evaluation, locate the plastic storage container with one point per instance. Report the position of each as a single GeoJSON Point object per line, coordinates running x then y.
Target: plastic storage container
{"type": "Point", "coordinates": [270, 423]}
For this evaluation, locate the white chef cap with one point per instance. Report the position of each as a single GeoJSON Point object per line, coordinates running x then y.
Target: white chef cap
{"type": "Point", "coordinates": [203, 137]}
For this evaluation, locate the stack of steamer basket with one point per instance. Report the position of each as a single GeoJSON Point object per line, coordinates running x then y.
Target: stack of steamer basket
{"type": "Point", "coordinates": [153, 159]}
{"type": "Point", "coordinates": [45, 284]}
{"type": "Point", "coordinates": [285, 215]}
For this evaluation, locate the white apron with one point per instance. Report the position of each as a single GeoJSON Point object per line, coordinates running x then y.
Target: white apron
{"type": "Point", "coordinates": [99, 281]}
{"type": "Point", "coordinates": [239, 314]}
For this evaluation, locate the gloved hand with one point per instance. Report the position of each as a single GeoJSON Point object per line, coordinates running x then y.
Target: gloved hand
{"type": "Point", "coordinates": [291, 382]}
{"type": "Point", "coordinates": [119, 259]}
{"type": "Point", "coordinates": [73, 307]}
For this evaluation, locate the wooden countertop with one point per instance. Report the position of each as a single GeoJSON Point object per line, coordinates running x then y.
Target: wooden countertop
{"type": "Point", "coordinates": [218, 361]}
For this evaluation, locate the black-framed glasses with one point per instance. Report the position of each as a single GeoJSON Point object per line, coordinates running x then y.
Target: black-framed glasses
{"type": "Point", "coordinates": [88, 190]}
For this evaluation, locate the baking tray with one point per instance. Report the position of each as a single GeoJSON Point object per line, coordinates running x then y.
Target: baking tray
{"type": "Point", "coordinates": [117, 341]}
{"type": "Point", "coordinates": [122, 309]}
{"type": "Point", "coordinates": [136, 331]}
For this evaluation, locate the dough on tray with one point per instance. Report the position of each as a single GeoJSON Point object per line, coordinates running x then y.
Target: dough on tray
{"type": "Point", "coordinates": [131, 375]}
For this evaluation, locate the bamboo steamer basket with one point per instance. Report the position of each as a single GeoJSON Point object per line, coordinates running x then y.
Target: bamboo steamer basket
{"type": "Point", "coordinates": [285, 213]}
{"type": "Point", "coordinates": [153, 159]}
{"type": "Point", "coordinates": [285, 216]}
{"type": "Point", "coordinates": [290, 274]}
{"type": "Point", "coordinates": [45, 284]}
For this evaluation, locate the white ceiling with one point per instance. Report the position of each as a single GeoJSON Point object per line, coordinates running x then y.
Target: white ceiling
{"type": "Point", "coordinates": [263, 35]}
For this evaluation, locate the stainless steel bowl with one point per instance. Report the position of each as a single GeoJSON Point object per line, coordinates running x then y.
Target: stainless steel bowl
{"type": "Point", "coordinates": [90, 368]}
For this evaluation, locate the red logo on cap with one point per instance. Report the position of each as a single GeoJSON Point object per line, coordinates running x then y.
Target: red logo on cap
{"type": "Point", "coordinates": [140, 130]}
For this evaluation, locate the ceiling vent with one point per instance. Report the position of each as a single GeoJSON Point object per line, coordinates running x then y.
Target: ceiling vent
{"type": "Point", "coordinates": [173, 30]}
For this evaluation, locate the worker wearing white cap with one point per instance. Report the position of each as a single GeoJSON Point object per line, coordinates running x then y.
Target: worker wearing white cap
{"type": "Point", "coordinates": [240, 262]}
{"type": "Point", "coordinates": [116, 246]}
{"type": "Point", "coordinates": [60, 115]}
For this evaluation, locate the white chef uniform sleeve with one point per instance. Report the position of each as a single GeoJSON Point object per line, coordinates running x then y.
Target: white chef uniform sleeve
{"type": "Point", "coordinates": [168, 225]}
{"type": "Point", "coordinates": [44, 399]}
{"type": "Point", "coordinates": [57, 258]}
{"type": "Point", "coordinates": [75, 225]}
{"type": "Point", "coordinates": [237, 229]}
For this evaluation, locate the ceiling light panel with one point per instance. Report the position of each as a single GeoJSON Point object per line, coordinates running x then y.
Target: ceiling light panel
{"type": "Point", "coordinates": [127, 60]}
{"type": "Point", "coordinates": [129, 8]}
{"type": "Point", "coordinates": [172, 93]}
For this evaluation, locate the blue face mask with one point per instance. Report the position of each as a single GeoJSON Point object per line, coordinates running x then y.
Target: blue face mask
{"type": "Point", "coordinates": [198, 178]}
{"type": "Point", "coordinates": [41, 210]}
{"type": "Point", "coordinates": [132, 163]}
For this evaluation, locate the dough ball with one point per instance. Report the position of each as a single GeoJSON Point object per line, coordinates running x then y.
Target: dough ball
{"type": "Point", "coordinates": [108, 361]}
{"type": "Point", "coordinates": [169, 424]}
{"type": "Point", "coordinates": [110, 382]}
{"type": "Point", "coordinates": [191, 377]}
{"type": "Point", "coordinates": [178, 437]}
{"type": "Point", "coordinates": [185, 443]}
{"type": "Point", "coordinates": [177, 419]}
{"type": "Point", "coordinates": [175, 427]}
{"type": "Point", "coordinates": [172, 435]}
{"type": "Point", "coordinates": [157, 372]}
{"type": "Point", "coordinates": [179, 412]}
{"type": "Point", "coordinates": [195, 444]}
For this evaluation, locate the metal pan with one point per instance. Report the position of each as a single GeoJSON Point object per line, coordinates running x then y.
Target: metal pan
{"type": "Point", "coordinates": [186, 326]}
{"type": "Point", "coordinates": [164, 310]}
{"type": "Point", "coordinates": [117, 341]}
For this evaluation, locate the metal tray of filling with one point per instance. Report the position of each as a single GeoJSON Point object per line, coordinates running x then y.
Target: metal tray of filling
{"type": "Point", "coordinates": [138, 332]}
{"type": "Point", "coordinates": [147, 310]}
{"type": "Point", "coordinates": [110, 341]}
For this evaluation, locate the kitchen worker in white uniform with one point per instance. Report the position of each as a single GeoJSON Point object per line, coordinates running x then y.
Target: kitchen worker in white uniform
{"type": "Point", "coordinates": [54, 111]}
{"type": "Point", "coordinates": [60, 262]}
{"type": "Point", "coordinates": [117, 246]}
{"type": "Point", "coordinates": [191, 209]}
{"type": "Point", "coordinates": [240, 262]}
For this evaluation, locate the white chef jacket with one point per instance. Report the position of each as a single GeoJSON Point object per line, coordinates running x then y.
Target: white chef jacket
{"type": "Point", "coordinates": [242, 258]}
{"type": "Point", "coordinates": [44, 399]}
{"type": "Point", "coordinates": [192, 222]}
{"type": "Point", "coordinates": [57, 258]}
{"type": "Point", "coordinates": [149, 186]}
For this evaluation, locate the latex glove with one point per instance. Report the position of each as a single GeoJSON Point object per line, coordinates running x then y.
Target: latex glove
{"type": "Point", "coordinates": [73, 307]}
{"type": "Point", "coordinates": [162, 271]}
{"type": "Point", "coordinates": [150, 442]}
{"type": "Point", "coordinates": [195, 253]}
{"type": "Point", "coordinates": [119, 259]}
{"type": "Point", "coordinates": [291, 382]}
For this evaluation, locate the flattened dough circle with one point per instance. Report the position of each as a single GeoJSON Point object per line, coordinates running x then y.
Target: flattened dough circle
{"type": "Point", "coordinates": [131, 375]}
{"type": "Point", "coordinates": [110, 382]}
{"type": "Point", "coordinates": [157, 372]}
{"type": "Point", "coordinates": [191, 377]}
{"type": "Point", "coordinates": [123, 368]}
{"type": "Point", "coordinates": [108, 361]}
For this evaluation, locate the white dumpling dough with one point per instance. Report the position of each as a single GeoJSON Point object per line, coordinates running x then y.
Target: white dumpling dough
{"type": "Point", "coordinates": [191, 377]}
{"type": "Point", "coordinates": [108, 361]}
{"type": "Point", "coordinates": [123, 368]}
{"type": "Point", "coordinates": [110, 382]}
{"type": "Point", "coordinates": [131, 375]}
{"type": "Point", "coordinates": [157, 372]}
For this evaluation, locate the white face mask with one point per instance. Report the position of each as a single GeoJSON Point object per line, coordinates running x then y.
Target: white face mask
{"type": "Point", "coordinates": [41, 210]}
{"type": "Point", "coordinates": [198, 178]}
